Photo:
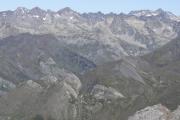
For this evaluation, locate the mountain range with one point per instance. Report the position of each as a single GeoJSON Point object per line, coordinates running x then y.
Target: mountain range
{"type": "Point", "coordinates": [67, 65]}
{"type": "Point", "coordinates": [98, 37]}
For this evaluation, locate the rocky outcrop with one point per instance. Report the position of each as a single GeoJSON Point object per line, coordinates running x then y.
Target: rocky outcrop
{"type": "Point", "coordinates": [31, 98]}
{"type": "Point", "coordinates": [101, 92]}
{"type": "Point", "coordinates": [6, 86]}
{"type": "Point", "coordinates": [156, 112]}
{"type": "Point", "coordinates": [176, 114]}
{"type": "Point", "coordinates": [32, 84]}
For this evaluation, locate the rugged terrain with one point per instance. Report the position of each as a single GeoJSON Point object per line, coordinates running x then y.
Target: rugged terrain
{"type": "Point", "coordinates": [99, 37]}
{"type": "Point", "coordinates": [156, 112]}
{"type": "Point", "coordinates": [143, 81]}
{"type": "Point", "coordinates": [92, 66]}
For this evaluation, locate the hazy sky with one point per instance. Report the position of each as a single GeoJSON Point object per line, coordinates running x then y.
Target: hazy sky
{"type": "Point", "coordinates": [105, 6]}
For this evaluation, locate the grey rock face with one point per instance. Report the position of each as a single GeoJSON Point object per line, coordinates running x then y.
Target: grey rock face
{"type": "Point", "coordinates": [176, 114]}
{"type": "Point", "coordinates": [73, 81]}
{"type": "Point", "coordinates": [101, 92]}
{"type": "Point", "coordinates": [6, 86]}
{"type": "Point", "coordinates": [28, 56]}
{"type": "Point", "coordinates": [157, 112]}
{"type": "Point", "coordinates": [31, 98]}
{"type": "Point", "coordinates": [32, 84]}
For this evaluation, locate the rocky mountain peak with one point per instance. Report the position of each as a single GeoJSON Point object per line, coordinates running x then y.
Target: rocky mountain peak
{"type": "Point", "coordinates": [66, 10]}
{"type": "Point", "coordinates": [148, 13]}
{"type": "Point", "coordinates": [37, 11]}
{"type": "Point", "coordinates": [21, 10]}
{"type": "Point", "coordinates": [141, 13]}
{"type": "Point", "coordinates": [156, 13]}
{"type": "Point", "coordinates": [160, 10]}
{"type": "Point", "coordinates": [94, 17]}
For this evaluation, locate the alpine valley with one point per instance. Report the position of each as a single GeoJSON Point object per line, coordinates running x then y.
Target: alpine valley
{"type": "Point", "coordinates": [66, 65]}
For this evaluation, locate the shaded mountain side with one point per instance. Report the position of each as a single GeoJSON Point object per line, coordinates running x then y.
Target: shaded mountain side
{"type": "Point", "coordinates": [26, 56]}
{"type": "Point", "coordinates": [165, 64]}
{"type": "Point", "coordinates": [165, 55]}
{"type": "Point", "coordinates": [132, 77]}
{"type": "Point", "coordinates": [153, 79]}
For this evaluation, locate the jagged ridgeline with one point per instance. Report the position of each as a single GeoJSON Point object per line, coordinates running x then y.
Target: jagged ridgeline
{"type": "Point", "coordinates": [98, 37]}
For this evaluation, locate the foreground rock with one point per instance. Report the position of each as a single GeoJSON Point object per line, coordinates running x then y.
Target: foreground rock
{"type": "Point", "coordinates": [101, 92]}
{"type": "Point", "coordinates": [176, 114]}
{"type": "Point", "coordinates": [156, 112]}
{"type": "Point", "coordinates": [6, 86]}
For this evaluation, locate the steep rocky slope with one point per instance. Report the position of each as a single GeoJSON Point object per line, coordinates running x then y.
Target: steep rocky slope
{"type": "Point", "coordinates": [143, 81]}
{"type": "Point", "coordinates": [32, 100]}
{"type": "Point", "coordinates": [165, 66]}
{"type": "Point", "coordinates": [156, 112]}
{"type": "Point", "coordinates": [115, 90]}
{"type": "Point", "coordinates": [36, 57]}
{"type": "Point", "coordinates": [130, 77]}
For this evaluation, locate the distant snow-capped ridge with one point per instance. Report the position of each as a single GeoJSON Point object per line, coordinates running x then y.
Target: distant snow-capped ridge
{"type": "Point", "coordinates": [110, 36]}
{"type": "Point", "coordinates": [159, 12]}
